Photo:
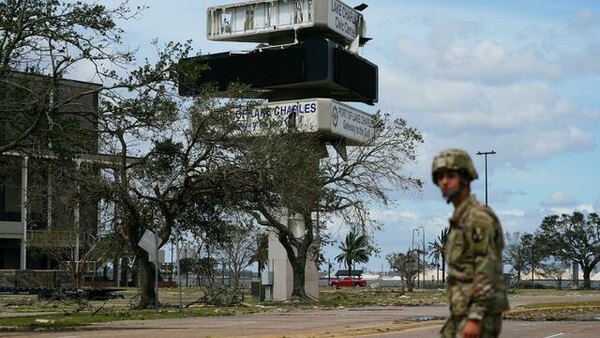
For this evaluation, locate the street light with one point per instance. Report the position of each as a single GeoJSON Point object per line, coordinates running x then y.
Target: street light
{"type": "Point", "coordinates": [412, 246]}
{"type": "Point", "coordinates": [485, 154]}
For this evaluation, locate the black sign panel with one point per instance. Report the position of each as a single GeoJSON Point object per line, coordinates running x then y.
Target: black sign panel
{"type": "Point", "coordinates": [312, 68]}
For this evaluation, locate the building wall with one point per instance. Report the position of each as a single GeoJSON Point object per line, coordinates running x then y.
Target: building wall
{"type": "Point", "coordinates": [49, 197]}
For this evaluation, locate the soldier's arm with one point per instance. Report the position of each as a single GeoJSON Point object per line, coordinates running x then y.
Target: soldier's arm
{"type": "Point", "coordinates": [480, 234]}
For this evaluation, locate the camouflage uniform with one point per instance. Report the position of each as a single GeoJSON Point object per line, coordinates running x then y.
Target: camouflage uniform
{"type": "Point", "coordinates": [475, 281]}
{"type": "Point", "coordinates": [473, 251]}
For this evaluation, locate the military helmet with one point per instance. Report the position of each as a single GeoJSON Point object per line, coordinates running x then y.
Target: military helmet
{"type": "Point", "coordinates": [453, 159]}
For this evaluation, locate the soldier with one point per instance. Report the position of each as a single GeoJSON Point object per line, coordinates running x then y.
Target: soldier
{"type": "Point", "coordinates": [475, 282]}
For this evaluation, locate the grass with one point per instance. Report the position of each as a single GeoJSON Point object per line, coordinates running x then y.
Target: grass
{"type": "Point", "coordinates": [59, 321]}
{"type": "Point", "coordinates": [21, 312]}
{"type": "Point", "coordinates": [358, 297]}
{"type": "Point", "coordinates": [561, 305]}
{"type": "Point", "coordinates": [552, 311]}
{"type": "Point", "coordinates": [551, 292]}
{"type": "Point", "coordinates": [555, 313]}
{"type": "Point", "coordinates": [25, 312]}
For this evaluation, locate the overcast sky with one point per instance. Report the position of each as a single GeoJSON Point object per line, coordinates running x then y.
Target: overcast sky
{"type": "Point", "coordinates": [521, 78]}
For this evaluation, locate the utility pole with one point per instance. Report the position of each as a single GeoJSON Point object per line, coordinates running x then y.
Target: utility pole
{"type": "Point", "coordinates": [485, 154]}
{"type": "Point", "coordinates": [418, 258]}
{"type": "Point", "coordinates": [423, 234]}
{"type": "Point", "coordinates": [328, 271]}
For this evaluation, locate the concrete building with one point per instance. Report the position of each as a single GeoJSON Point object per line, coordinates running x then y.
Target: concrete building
{"type": "Point", "coordinates": [279, 277]}
{"type": "Point", "coordinates": [37, 192]}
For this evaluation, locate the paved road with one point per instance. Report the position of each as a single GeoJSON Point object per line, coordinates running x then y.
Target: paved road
{"type": "Point", "coordinates": [301, 325]}
{"type": "Point", "coordinates": [314, 323]}
{"type": "Point", "coordinates": [362, 322]}
{"type": "Point", "coordinates": [519, 329]}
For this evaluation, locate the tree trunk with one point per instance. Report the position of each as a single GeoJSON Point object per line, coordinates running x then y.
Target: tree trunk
{"type": "Point", "coordinates": [124, 275]}
{"type": "Point", "coordinates": [443, 270]}
{"type": "Point", "coordinates": [297, 259]}
{"type": "Point", "coordinates": [586, 278]}
{"type": "Point", "coordinates": [146, 273]}
{"type": "Point", "coordinates": [297, 253]}
{"type": "Point", "coordinates": [236, 271]}
{"type": "Point", "coordinates": [261, 295]}
{"type": "Point", "coordinates": [116, 272]}
{"type": "Point", "coordinates": [236, 278]}
{"type": "Point", "coordinates": [349, 266]}
{"type": "Point", "coordinates": [298, 268]}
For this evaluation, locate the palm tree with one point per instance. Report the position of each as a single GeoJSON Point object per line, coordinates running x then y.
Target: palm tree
{"type": "Point", "coordinates": [261, 254]}
{"type": "Point", "coordinates": [355, 249]}
{"type": "Point", "coordinates": [437, 249]}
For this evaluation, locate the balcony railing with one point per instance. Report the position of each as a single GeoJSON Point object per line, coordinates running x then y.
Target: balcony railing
{"type": "Point", "coordinates": [59, 238]}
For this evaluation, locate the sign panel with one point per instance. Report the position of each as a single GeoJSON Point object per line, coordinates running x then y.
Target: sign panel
{"type": "Point", "coordinates": [253, 21]}
{"type": "Point", "coordinates": [280, 21]}
{"type": "Point", "coordinates": [299, 115]}
{"type": "Point", "coordinates": [149, 242]}
{"type": "Point", "coordinates": [351, 123]}
{"type": "Point", "coordinates": [333, 119]}
{"type": "Point", "coordinates": [344, 19]}
{"type": "Point", "coordinates": [304, 70]}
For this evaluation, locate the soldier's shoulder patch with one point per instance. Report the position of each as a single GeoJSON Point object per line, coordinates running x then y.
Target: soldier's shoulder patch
{"type": "Point", "coordinates": [478, 233]}
{"type": "Point", "coordinates": [479, 223]}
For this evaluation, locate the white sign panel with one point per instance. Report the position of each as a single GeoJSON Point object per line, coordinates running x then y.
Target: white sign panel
{"type": "Point", "coordinates": [285, 115]}
{"type": "Point", "coordinates": [327, 116]}
{"type": "Point", "coordinates": [259, 17]}
{"type": "Point", "coordinates": [149, 242]}
{"type": "Point", "coordinates": [351, 123]}
{"type": "Point", "coordinates": [267, 20]}
{"type": "Point", "coordinates": [343, 19]}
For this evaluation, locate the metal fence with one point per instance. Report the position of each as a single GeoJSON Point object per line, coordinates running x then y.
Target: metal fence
{"type": "Point", "coordinates": [24, 279]}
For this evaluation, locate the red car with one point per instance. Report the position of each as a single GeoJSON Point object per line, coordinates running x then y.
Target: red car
{"type": "Point", "coordinates": [347, 281]}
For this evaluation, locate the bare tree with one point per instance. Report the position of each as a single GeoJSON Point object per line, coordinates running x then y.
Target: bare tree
{"type": "Point", "coordinates": [406, 265]}
{"type": "Point", "coordinates": [59, 245]}
{"type": "Point", "coordinates": [516, 255]}
{"type": "Point", "coordinates": [555, 269]}
{"type": "Point", "coordinates": [239, 245]}
{"type": "Point", "coordinates": [63, 216]}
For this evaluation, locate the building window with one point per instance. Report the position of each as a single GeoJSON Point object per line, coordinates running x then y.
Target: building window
{"type": "Point", "coordinates": [10, 190]}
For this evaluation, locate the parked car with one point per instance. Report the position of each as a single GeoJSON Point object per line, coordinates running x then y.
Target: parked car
{"type": "Point", "coordinates": [347, 281]}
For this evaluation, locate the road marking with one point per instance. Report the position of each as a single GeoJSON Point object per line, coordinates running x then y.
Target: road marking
{"type": "Point", "coordinates": [555, 335]}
